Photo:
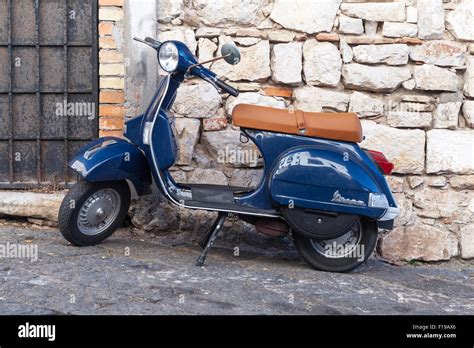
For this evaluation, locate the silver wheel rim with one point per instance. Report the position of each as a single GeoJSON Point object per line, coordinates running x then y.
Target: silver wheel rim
{"type": "Point", "coordinates": [342, 246]}
{"type": "Point", "coordinates": [99, 212]}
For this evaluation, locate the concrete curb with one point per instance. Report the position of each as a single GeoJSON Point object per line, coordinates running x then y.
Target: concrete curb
{"type": "Point", "coordinates": [31, 204]}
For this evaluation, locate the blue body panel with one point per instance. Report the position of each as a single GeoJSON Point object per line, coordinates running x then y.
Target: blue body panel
{"type": "Point", "coordinates": [308, 171]}
{"type": "Point", "coordinates": [164, 140]}
{"type": "Point", "coordinates": [110, 159]}
{"type": "Point", "coordinates": [310, 176]}
{"type": "Point", "coordinates": [162, 133]}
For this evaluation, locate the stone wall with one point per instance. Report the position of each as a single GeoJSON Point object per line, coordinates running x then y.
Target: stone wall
{"type": "Point", "coordinates": [405, 67]}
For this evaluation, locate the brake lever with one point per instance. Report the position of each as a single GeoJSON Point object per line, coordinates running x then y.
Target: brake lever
{"type": "Point", "coordinates": [149, 41]}
{"type": "Point", "coordinates": [153, 41]}
{"type": "Point", "coordinates": [140, 40]}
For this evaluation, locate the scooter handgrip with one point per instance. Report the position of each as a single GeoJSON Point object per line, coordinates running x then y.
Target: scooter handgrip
{"type": "Point", "coordinates": [225, 87]}
{"type": "Point", "coordinates": [152, 41]}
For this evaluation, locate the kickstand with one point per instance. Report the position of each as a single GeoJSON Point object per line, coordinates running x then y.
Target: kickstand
{"type": "Point", "coordinates": [210, 238]}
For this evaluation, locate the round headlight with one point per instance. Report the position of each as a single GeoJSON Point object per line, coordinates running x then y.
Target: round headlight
{"type": "Point", "coordinates": [168, 57]}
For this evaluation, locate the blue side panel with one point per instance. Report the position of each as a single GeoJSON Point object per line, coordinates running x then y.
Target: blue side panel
{"type": "Point", "coordinates": [111, 158]}
{"type": "Point", "coordinates": [309, 171]}
{"type": "Point", "coordinates": [163, 139]}
{"type": "Point", "coordinates": [312, 176]}
{"type": "Point", "coordinates": [164, 142]}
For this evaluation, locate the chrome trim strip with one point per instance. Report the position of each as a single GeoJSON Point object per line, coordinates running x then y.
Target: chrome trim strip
{"type": "Point", "coordinates": [390, 214]}
{"type": "Point", "coordinates": [163, 186]}
{"type": "Point", "coordinates": [146, 133]}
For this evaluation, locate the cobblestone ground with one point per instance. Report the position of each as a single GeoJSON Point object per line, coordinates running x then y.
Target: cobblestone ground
{"type": "Point", "coordinates": [159, 277]}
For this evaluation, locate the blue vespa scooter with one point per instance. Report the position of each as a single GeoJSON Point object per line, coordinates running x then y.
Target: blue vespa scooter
{"type": "Point", "coordinates": [318, 185]}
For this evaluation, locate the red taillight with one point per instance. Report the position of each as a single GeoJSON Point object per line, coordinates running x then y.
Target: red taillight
{"type": "Point", "coordinates": [382, 161]}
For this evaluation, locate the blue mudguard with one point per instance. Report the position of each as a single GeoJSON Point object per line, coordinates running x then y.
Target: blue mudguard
{"type": "Point", "coordinates": [111, 158]}
{"type": "Point", "coordinates": [331, 178]}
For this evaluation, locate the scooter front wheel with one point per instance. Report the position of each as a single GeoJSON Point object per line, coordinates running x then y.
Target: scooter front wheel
{"type": "Point", "coordinates": [92, 211]}
{"type": "Point", "coordinates": [340, 254]}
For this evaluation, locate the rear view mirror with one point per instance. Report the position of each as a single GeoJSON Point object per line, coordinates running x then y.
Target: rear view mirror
{"type": "Point", "coordinates": [231, 53]}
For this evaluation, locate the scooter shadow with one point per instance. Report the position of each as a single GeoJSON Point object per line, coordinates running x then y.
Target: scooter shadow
{"type": "Point", "coordinates": [247, 247]}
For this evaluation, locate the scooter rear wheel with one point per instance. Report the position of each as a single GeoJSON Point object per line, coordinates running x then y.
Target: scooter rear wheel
{"type": "Point", "coordinates": [91, 212]}
{"type": "Point", "coordinates": [341, 254]}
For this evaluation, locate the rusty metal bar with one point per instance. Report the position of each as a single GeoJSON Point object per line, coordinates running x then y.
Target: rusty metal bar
{"type": "Point", "coordinates": [38, 94]}
{"type": "Point", "coordinates": [66, 93]}
{"type": "Point", "coordinates": [95, 67]}
{"type": "Point", "coordinates": [10, 95]}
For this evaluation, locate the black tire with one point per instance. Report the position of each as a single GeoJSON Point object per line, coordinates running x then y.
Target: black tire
{"type": "Point", "coordinates": [74, 200]}
{"type": "Point", "coordinates": [366, 243]}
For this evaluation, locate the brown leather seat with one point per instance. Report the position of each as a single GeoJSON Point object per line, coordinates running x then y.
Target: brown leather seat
{"type": "Point", "coordinates": [336, 126]}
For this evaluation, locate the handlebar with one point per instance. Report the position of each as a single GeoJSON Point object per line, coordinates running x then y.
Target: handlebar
{"type": "Point", "coordinates": [149, 41]}
{"type": "Point", "coordinates": [199, 70]}
{"type": "Point", "coordinates": [210, 77]}
{"type": "Point", "coordinates": [226, 88]}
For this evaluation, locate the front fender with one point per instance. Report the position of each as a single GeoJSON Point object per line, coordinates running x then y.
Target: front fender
{"type": "Point", "coordinates": [110, 159]}
{"type": "Point", "coordinates": [329, 178]}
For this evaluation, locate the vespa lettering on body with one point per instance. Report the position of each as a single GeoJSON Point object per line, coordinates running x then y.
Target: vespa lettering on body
{"type": "Point", "coordinates": [337, 198]}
